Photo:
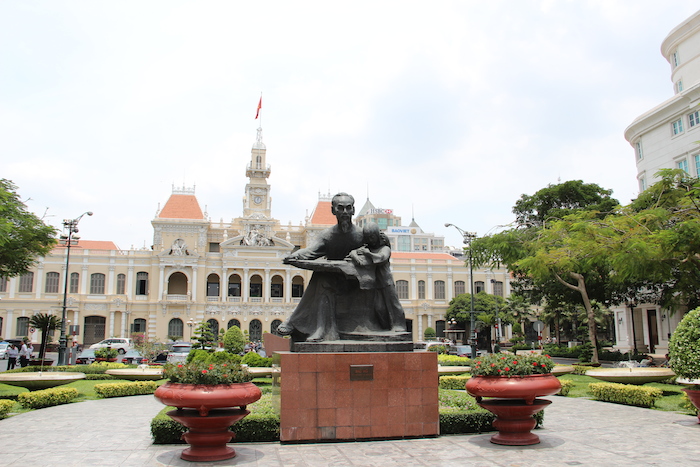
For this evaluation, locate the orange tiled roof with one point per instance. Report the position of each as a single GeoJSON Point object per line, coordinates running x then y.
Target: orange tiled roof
{"type": "Point", "coordinates": [322, 215]}
{"type": "Point", "coordinates": [93, 245]}
{"type": "Point", "coordinates": [181, 207]}
{"type": "Point", "coordinates": [422, 255]}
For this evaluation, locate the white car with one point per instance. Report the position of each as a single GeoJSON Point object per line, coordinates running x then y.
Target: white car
{"type": "Point", "coordinates": [3, 350]}
{"type": "Point", "coordinates": [179, 351]}
{"type": "Point", "coordinates": [122, 344]}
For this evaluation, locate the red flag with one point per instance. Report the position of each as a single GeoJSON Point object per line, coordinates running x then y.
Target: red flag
{"type": "Point", "coordinates": [259, 107]}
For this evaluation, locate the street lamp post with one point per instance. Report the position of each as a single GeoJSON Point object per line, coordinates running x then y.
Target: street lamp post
{"type": "Point", "coordinates": [467, 238]}
{"type": "Point", "coordinates": [71, 225]}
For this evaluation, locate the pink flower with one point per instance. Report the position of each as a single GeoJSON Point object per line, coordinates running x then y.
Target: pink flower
{"type": "Point", "coordinates": [204, 371]}
{"type": "Point", "coordinates": [515, 362]}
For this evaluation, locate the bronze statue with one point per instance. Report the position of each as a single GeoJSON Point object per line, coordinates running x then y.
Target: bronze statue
{"type": "Point", "coordinates": [351, 292]}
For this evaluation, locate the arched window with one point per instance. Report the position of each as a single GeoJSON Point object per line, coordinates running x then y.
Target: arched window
{"type": "Point", "coordinates": [213, 285]}
{"type": "Point", "coordinates": [139, 325]}
{"type": "Point", "coordinates": [439, 290]}
{"type": "Point", "coordinates": [22, 326]}
{"type": "Point", "coordinates": [177, 284]}
{"type": "Point", "coordinates": [402, 290]}
{"type": "Point", "coordinates": [176, 328]}
{"type": "Point", "coordinates": [258, 162]}
{"type": "Point", "coordinates": [97, 283]}
{"type": "Point", "coordinates": [121, 284]}
{"type": "Point", "coordinates": [142, 283]}
{"type": "Point", "coordinates": [234, 285]}
{"type": "Point", "coordinates": [232, 323]}
{"type": "Point", "coordinates": [277, 287]}
{"type": "Point", "coordinates": [26, 282]}
{"type": "Point", "coordinates": [74, 282]}
{"type": "Point", "coordinates": [478, 287]}
{"type": "Point", "coordinates": [421, 290]}
{"type": "Point", "coordinates": [52, 280]}
{"type": "Point", "coordinates": [274, 325]}
{"type": "Point", "coordinates": [459, 288]}
{"type": "Point", "coordinates": [297, 286]}
{"type": "Point", "coordinates": [255, 330]}
{"type": "Point", "coordinates": [256, 286]}
{"type": "Point", "coordinates": [498, 288]}
{"type": "Point", "coordinates": [214, 327]}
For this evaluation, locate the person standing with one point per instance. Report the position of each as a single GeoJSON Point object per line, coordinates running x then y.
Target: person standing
{"type": "Point", "coordinates": [24, 354]}
{"type": "Point", "coordinates": [12, 353]}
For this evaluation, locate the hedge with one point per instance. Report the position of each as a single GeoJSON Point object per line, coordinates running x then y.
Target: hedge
{"type": "Point", "coordinates": [5, 407]}
{"type": "Point", "coordinates": [453, 360]}
{"type": "Point", "coordinates": [46, 397]}
{"type": "Point", "coordinates": [453, 382]}
{"type": "Point", "coordinates": [566, 385]}
{"type": "Point", "coordinates": [640, 396]}
{"type": "Point", "coordinates": [134, 388]}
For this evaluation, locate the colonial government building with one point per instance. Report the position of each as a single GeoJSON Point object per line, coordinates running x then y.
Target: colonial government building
{"type": "Point", "coordinates": [223, 273]}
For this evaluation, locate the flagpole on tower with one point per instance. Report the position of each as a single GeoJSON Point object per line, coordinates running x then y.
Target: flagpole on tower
{"type": "Point", "coordinates": [257, 113]}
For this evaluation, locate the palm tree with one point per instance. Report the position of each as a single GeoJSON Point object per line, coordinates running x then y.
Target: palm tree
{"type": "Point", "coordinates": [45, 323]}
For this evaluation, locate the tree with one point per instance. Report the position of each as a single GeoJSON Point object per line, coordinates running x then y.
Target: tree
{"type": "Point", "coordinates": [429, 333]}
{"type": "Point", "coordinates": [149, 349]}
{"type": "Point", "coordinates": [204, 337]}
{"type": "Point", "coordinates": [234, 340]}
{"type": "Point", "coordinates": [45, 323]}
{"type": "Point", "coordinates": [23, 236]}
{"type": "Point", "coordinates": [488, 309]}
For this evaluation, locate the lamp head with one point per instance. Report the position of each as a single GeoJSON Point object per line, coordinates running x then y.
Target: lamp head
{"type": "Point", "coordinates": [89, 213]}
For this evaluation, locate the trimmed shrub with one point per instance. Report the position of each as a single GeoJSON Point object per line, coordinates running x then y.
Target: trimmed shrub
{"type": "Point", "coordinates": [453, 360]}
{"type": "Point", "coordinates": [441, 349]}
{"type": "Point", "coordinates": [234, 340]}
{"type": "Point", "coordinates": [5, 407]}
{"type": "Point", "coordinates": [453, 382]}
{"type": "Point", "coordinates": [455, 421]}
{"type": "Point", "coordinates": [46, 397]}
{"type": "Point", "coordinates": [224, 357]}
{"type": "Point", "coordinates": [566, 385]}
{"type": "Point", "coordinates": [134, 388]}
{"type": "Point", "coordinates": [253, 359]}
{"type": "Point", "coordinates": [429, 333]}
{"type": "Point", "coordinates": [627, 394]}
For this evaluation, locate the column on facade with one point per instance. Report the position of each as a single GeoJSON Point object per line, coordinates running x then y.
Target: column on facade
{"type": "Point", "coordinates": [111, 325]}
{"type": "Point", "coordinates": [450, 286]}
{"type": "Point", "coordinates": [84, 280]}
{"type": "Point", "coordinates": [194, 283]}
{"type": "Point", "coordinates": [10, 324]}
{"type": "Point", "coordinates": [76, 321]}
{"type": "Point", "coordinates": [414, 284]}
{"type": "Point", "coordinates": [12, 286]}
{"type": "Point", "coordinates": [223, 293]}
{"type": "Point", "coordinates": [287, 285]}
{"type": "Point", "coordinates": [429, 286]}
{"type": "Point", "coordinates": [124, 324]}
{"type": "Point", "coordinates": [266, 286]}
{"type": "Point", "coordinates": [39, 280]}
{"type": "Point", "coordinates": [110, 281]}
{"type": "Point", "coordinates": [130, 287]}
{"type": "Point", "coordinates": [161, 282]}
{"type": "Point", "coordinates": [245, 285]}
{"type": "Point", "coordinates": [419, 318]}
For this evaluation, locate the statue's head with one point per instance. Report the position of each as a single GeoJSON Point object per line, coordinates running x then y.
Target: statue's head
{"type": "Point", "coordinates": [370, 234]}
{"type": "Point", "coordinates": [343, 206]}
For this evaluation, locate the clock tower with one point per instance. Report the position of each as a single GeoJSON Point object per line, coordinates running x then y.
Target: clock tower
{"type": "Point", "coordinates": [257, 201]}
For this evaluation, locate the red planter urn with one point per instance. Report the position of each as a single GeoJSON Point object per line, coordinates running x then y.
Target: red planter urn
{"type": "Point", "coordinates": [207, 410]}
{"type": "Point", "coordinates": [694, 396]}
{"type": "Point", "coordinates": [514, 403]}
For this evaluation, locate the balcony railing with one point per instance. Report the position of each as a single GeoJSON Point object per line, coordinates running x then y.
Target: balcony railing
{"type": "Point", "coordinates": [176, 297]}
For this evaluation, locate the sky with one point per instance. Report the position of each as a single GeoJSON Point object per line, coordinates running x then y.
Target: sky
{"type": "Point", "coordinates": [445, 112]}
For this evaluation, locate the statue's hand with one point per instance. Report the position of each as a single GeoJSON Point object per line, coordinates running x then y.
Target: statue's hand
{"type": "Point", "coordinates": [290, 259]}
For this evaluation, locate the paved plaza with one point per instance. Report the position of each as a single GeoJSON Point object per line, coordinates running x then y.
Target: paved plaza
{"type": "Point", "coordinates": [576, 432]}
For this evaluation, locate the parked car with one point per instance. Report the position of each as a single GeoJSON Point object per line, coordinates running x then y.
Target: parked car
{"type": "Point", "coordinates": [428, 345]}
{"type": "Point", "coordinates": [465, 351]}
{"type": "Point", "coordinates": [86, 357]}
{"type": "Point", "coordinates": [122, 344]}
{"type": "Point", "coordinates": [3, 350]}
{"type": "Point", "coordinates": [133, 356]}
{"type": "Point", "coordinates": [179, 351]}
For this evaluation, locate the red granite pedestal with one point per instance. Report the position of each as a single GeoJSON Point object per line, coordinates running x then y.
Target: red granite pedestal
{"type": "Point", "coordinates": [358, 396]}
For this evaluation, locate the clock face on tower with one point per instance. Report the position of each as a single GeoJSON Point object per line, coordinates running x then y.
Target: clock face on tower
{"type": "Point", "coordinates": [257, 200]}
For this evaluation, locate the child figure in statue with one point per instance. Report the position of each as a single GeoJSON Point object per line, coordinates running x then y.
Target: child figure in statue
{"type": "Point", "coordinates": [372, 262]}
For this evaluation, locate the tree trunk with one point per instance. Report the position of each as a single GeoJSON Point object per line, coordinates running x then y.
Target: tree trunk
{"type": "Point", "coordinates": [581, 288]}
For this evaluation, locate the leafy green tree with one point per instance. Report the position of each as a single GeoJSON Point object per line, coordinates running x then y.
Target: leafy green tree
{"type": "Point", "coordinates": [149, 349]}
{"type": "Point", "coordinates": [204, 337]}
{"type": "Point", "coordinates": [429, 333]}
{"type": "Point", "coordinates": [234, 340]}
{"type": "Point", "coordinates": [45, 323]}
{"type": "Point", "coordinates": [23, 236]}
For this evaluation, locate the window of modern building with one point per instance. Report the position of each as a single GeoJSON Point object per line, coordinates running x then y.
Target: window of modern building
{"type": "Point", "coordinates": [498, 288]}
{"type": "Point", "coordinates": [234, 285]}
{"type": "Point", "coordinates": [678, 86]}
{"type": "Point", "coordinates": [232, 323]}
{"type": "Point", "coordinates": [683, 165]}
{"type": "Point", "coordinates": [402, 289]}
{"type": "Point", "coordinates": [421, 290]}
{"type": "Point", "coordinates": [97, 283]}
{"type": "Point", "coordinates": [694, 119]}
{"type": "Point", "coordinates": [52, 280]}
{"type": "Point", "coordinates": [22, 326]}
{"type": "Point", "coordinates": [255, 330]}
{"type": "Point", "coordinates": [121, 284]}
{"type": "Point", "coordinates": [675, 59]}
{"type": "Point", "coordinates": [404, 243]}
{"type": "Point", "coordinates": [213, 285]}
{"type": "Point", "coordinates": [74, 282]}
{"type": "Point", "coordinates": [139, 325]}
{"type": "Point", "coordinates": [478, 287]}
{"type": "Point", "coordinates": [696, 158]}
{"type": "Point", "coordinates": [213, 326]}
{"type": "Point", "coordinates": [382, 223]}
{"type": "Point", "coordinates": [677, 127]}
{"type": "Point", "coordinates": [439, 290]}
{"type": "Point", "coordinates": [26, 282]}
{"type": "Point", "coordinates": [175, 328]}
{"type": "Point", "coordinates": [142, 283]}
{"type": "Point", "coordinates": [459, 288]}
{"type": "Point", "coordinates": [3, 284]}
{"type": "Point", "coordinates": [642, 184]}
{"type": "Point", "coordinates": [638, 150]}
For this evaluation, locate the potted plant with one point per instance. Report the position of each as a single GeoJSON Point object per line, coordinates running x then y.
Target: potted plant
{"type": "Point", "coordinates": [516, 381]}
{"type": "Point", "coordinates": [684, 355]}
{"type": "Point", "coordinates": [205, 394]}
{"type": "Point", "coordinates": [106, 354]}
